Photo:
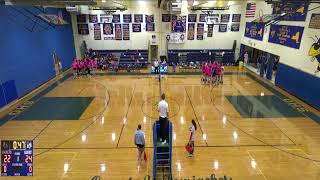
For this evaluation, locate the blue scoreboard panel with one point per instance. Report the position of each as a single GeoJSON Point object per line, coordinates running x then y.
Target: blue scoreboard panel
{"type": "Point", "coordinates": [17, 158]}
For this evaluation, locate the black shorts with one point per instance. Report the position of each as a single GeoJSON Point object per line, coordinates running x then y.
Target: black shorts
{"type": "Point", "coordinates": [140, 146]}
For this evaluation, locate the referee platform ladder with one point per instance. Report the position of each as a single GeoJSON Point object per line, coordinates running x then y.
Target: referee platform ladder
{"type": "Point", "coordinates": [162, 155]}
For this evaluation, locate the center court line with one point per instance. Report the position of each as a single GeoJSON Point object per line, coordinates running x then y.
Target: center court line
{"type": "Point", "coordinates": [194, 112]}
{"type": "Point", "coordinates": [134, 88]}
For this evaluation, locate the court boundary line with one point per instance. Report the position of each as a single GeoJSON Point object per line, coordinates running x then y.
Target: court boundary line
{"type": "Point", "coordinates": [195, 114]}
{"type": "Point", "coordinates": [123, 123]}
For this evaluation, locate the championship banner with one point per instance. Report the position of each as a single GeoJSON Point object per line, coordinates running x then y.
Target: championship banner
{"type": "Point", "coordinates": [83, 29]}
{"type": "Point", "coordinates": [202, 17]}
{"type": "Point", "coordinates": [210, 30]}
{"type": "Point", "coordinates": [149, 26]}
{"type": "Point", "coordinates": [223, 27]}
{"type": "Point", "coordinates": [118, 30]}
{"type": "Point", "coordinates": [93, 18]}
{"type": "Point", "coordinates": [236, 17]}
{"type": "Point", "coordinates": [176, 38]}
{"type": "Point", "coordinates": [116, 18]}
{"type": "Point", "coordinates": [235, 27]}
{"type": "Point", "coordinates": [178, 23]}
{"type": "Point", "coordinates": [289, 36]}
{"type": "Point", "coordinates": [315, 21]}
{"type": "Point", "coordinates": [294, 11]}
{"type": "Point", "coordinates": [200, 31]}
{"type": "Point", "coordinates": [225, 18]}
{"type": "Point", "coordinates": [136, 27]}
{"type": "Point", "coordinates": [149, 18]}
{"type": "Point", "coordinates": [138, 18]}
{"type": "Point", "coordinates": [97, 31]}
{"type": "Point", "coordinates": [166, 17]}
{"type": "Point", "coordinates": [191, 31]}
{"type": "Point", "coordinates": [126, 31]}
{"type": "Point", "coordinates": [192, 17]}
{"type": "Point", "coordinates": [127, 18]}
{"type": "Point", "coordinates": [81, 18]}
{"type": "Point", "coordinates": [108, 29]}
{"type": "Point", "coordinates": [254, 31]}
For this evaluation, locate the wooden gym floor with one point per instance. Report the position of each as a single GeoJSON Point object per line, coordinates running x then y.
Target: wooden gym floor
{"type": "Point", "coordinates": [247, 128]}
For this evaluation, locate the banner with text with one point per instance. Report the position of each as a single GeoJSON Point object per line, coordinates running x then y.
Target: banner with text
{"type": "Point", "coordinates": [178, 23]}
{"type": "Point", "coordinates": [127, 18]}
{"type": "Point", "coordinates": [223, 27]}
{"type": "Point", "coordinates": [166, 17]}
{"type": "Point", "coordinates": [192, 17]}
{"type": "Point", "coordinates": [254, 31]}
{"type": "Point", "coordinates": [93, 18]}
{"type": "Point", "coordinates": [126, 31]}
{"type": "Point", "coordinates": [289, 36]}
{"type": "Point", "coordinates": [136, 27]}
{"type": "Point", "coordinates": [295, 11]}
{"type": "Point", "coordinates": [200, 31]}
{"type": "Point", "coordinates": [191, 31]}
{"type": "Point", "coordinates": [118, 30]}
{"type": "Point", "coordinates": [210, 30]}
{"type": "Point", "coordinates": [97, 32]}
{"type": "Point", "coordinates": [138, 18]}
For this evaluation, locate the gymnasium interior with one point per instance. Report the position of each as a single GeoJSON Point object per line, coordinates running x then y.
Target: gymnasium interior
{"type": "Point", "coordinates": [79, 77]}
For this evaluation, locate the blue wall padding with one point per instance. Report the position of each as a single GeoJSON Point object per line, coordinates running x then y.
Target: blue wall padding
{"type": "Point", "coordinates": [2, 98]}
{"type": "Point", "coordinates": [10, 91]}
{"type": "Point", "coordinates": [301, 84]}
{"type": "Point", "coordinates": [262, 64]}
{"type": "Point", "coordinates": [270, 67]}
{"type": "Point", "coordinates": [26, 57]}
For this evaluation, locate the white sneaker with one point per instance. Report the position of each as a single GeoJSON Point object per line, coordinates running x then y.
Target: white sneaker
{"type": "Point", "coordinates": [190, 155]}
{"type": "Point", "coordinates": [164, 142]}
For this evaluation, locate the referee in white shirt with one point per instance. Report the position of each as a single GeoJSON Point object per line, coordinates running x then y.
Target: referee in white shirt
{"type": "Point", "coordinates": [163, 117]}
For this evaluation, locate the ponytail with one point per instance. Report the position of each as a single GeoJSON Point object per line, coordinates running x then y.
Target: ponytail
{"type": "Point", "coordinates": [194, 124]}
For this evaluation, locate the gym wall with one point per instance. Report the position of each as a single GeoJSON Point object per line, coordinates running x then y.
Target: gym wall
{"type": "Point", "coordinates": [26, 57]}
{"type": "Point", "coordinates": [220, 40]}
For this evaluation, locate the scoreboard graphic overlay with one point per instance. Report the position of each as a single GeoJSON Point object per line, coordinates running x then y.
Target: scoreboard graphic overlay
{"type": "Point", "coordinates": [17, 158]}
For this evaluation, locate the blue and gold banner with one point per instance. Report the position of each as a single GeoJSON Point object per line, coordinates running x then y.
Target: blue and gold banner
{"type": "Point", "coordinates": [136, 27]}
{"type": "Point", "coordinates": [192, 17]}
{"type": "Point", "coordinates": [225, 18]}
{"type": "Point", "coordinates": [150, 27]}
{"type": "Point", "coordinates": [294, 11]}
{"type": "Point", "coordinates": [200, 31]}
{"type": "Point", "coordinates": [178, 23]}
{"type": "Point", "coordinates": [138, 18]}
{"type": "Point", "coordinates": [118, 30]}
{"type": "Point", "coordinates": [81, 18]}
{"type": "Point", "coordinates": [202, 17]}
{"type": "Point", "coordinates": [127, 18]}
{"type": "Point", "coordinates": [191, 30]}
{"type": "Point", "coordinates": [223, 27]}
{"type": "Point", "coordinates": [236, 17]}
{"type": "Point", "coordinates": [149, 18]}
{"type": "Point", "coordinates": [93, 18]}
{"type": "Point", "coordinates": [126, 31]}
{"type": "Point", "coordinates": [108, 28]}
{"type": "Point", "coordinates": [235, 27]}
{"type": "Point", "coordinates": [166, 17]}
{"type": "Point", "coordinates": [254, 31]}
{"type": "Point", "coordinates": [210, 30]}
{"type": "Point", "coordinates": [83, 29]}
{"type": "Point", "coordinates": [289, 36]}
{"type": "Point", "coordinates": [97, 32]}
{"type": "Point", "coordinates": [116, 18]}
